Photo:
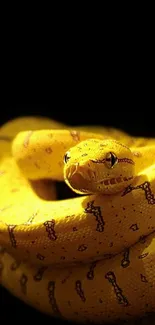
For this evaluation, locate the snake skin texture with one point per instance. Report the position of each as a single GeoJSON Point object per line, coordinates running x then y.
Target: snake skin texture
{"type": "Point", "coordinates": [90, 258]}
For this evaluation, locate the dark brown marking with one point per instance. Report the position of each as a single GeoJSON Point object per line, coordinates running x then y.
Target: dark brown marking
{"type": "Point", "coordinates": [39, 275]}
{"type": "Point", "coordinates": [50, 229]}
{"type": "Point", "coordinates": [96, 211]}
{"type": "Point", "coordinates": [90, 274]}
{"type": "Point", "coordinates": [49, 150]}
{"type": "Point", "coordinates": [110, 276]}
{"type": "Point", "coordinates": [27, 139]}
{"type": "Point", "coordinates": [40, 257]}
{"type": "Point", "coordinates": [106, 182]}
{"type": "Point", "coordinates": [82, 248]}
{"type": "Point", "coordinates": [98, 161]}
{"type": "Point", "coordinates": [142, 239]}
{"type": "Point", "coordinates": [120, 160]}
{"type": "Point", "coordinates": [125, 261]}
{"type": "Point", "coordinates": [143, 278]}
{"type": "Point", "coordinates": [75, 229]}
{"type": "Point", "coordinates": [112, 181]}
{"type": "Point", "coordinates": [118, 179]}
{"type": "Point", "coordinates": [75, 135]}
{"type": "Point", "coordinates": [115, 180]}
{"type": "Point", "coordinates": [79, 290]}
{"type": "Point", "coordinates": [126, 160]}
{"type": "Point", "coordinates": [143, 255]}
{"type": "Point", "coordinates": [147, 190]}
{"type": "Point", "coordinates": [52, 299]}
{"type": "Point", "coordinates": [134, 227]}
{"type": "Point", "coordinates": [23, 283]}
{"type": "Point", "coordinates": [12, 236]}
{"type": "Point", "coordinates": [14, 266]}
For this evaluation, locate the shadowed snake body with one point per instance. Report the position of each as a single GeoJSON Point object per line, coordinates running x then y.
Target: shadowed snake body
{"type": "Point", "coordinates": [89, 258]}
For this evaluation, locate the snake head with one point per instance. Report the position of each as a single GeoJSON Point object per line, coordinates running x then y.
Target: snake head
{"type": "Point", "coordinates": [95, 165]}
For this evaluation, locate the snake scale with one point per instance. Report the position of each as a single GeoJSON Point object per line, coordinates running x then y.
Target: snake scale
{"type": "Point", "coordinates": [90, 258]}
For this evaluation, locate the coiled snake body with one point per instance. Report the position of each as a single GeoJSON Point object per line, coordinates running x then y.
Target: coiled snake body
{"type": "Point", "coordinates": [89, 258]}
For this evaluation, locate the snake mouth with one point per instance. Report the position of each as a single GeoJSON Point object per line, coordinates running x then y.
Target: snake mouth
{"type": "Point", "coordinates": [76, 180]}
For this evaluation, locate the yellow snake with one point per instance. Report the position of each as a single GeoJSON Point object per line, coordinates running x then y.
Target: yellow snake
{"type": "Point", "coordinates": [88, 258]}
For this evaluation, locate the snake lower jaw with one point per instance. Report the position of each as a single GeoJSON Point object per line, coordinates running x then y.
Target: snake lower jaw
{"type": "Point", "coordinates": [106, 186]}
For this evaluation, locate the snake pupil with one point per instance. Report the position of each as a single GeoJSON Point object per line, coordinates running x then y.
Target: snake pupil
{"type": "Point", "coordinates": [66, 157]}
{"type": "Point", "coordinates": [111, 160]}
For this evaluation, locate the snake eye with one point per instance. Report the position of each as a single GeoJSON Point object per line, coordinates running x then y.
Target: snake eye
{"type": "Point", "coordinates": [111, 160]}
{"type": "Point", "coordinates": [66, 157]}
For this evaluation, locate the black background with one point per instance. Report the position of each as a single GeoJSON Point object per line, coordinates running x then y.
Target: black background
{"type": "Point", "coordinates": [132, 112]}
{"type": "Point", "coordinates": [130, 109]}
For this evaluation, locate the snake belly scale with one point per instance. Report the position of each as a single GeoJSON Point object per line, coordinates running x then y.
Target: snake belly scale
{"type": "Point", "coordinates": [89, 258]}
